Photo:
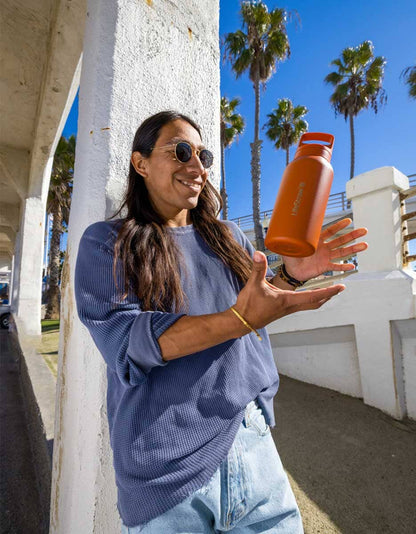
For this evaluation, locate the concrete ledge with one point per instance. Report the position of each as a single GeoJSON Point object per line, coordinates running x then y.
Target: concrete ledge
{"type": "Point", "coordinates": [38, 388]}
{"type": "Point", "coordinates": [376, 180]}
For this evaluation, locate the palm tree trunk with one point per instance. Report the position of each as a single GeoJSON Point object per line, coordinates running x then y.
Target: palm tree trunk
{"type": "Point", "coordinates": [255, 170]}
{"type": "Point", "coordinates": [287, 156]}
{"type": "Point", "coordinates": [224, 195]}
{"type": "Point", "coordinates": [52, 309]}
{"type": "Point", "coordinates": [352, 146]}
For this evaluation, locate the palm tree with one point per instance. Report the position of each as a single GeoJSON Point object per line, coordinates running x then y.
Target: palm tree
{"type": "Point", "coordinates": [257, 50]}
{"type": "Point", "coordinates": [58, 205]}
{"type": "Point", "coordinates": [409, 76]}
{"type": "Point", "coordinates": [232, 125]}
{"type": "Point", "coordinates": [358, 85]}
{"type": "Point", "coordinates": [286, 125]}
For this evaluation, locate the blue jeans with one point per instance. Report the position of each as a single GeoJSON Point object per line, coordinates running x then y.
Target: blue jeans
{"type": "Point", "coordinates": [249, 492]}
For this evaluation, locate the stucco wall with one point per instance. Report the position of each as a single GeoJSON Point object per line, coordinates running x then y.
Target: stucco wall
{"type": "Point", "coordinates": [324, 356]}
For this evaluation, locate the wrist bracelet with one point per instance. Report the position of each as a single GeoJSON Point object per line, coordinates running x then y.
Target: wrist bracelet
{"type": "Point", "coordinates": [285, 276]}
{"type": "Point", "coordinates": [245, 323]}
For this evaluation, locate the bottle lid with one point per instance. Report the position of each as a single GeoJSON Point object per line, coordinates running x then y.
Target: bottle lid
{"type": "Point", "coordinates": [308, 148]}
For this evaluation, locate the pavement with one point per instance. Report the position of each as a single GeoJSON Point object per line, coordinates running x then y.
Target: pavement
{"type": "Point", "coordinates": [20, 508]}
{"type": "Point", "coordinates": [352, 467]}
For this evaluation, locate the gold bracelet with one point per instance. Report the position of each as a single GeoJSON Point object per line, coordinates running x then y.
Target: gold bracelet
{"type": "Point", "coordinates": [246, 323]}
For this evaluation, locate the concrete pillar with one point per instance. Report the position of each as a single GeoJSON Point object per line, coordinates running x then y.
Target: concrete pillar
{"type": "Point", "coordinates": [28, 300]}
{"type": "Point", "coordinates": [376, 205]}
{"type": "Point", "coordinates": [404, 345]}
{"type": "Point", "coordinates": [29, 279]}
{"type": "Point", "coordinates": [139, 58]}
{"type": "Point", "coordinates": [11, 288]}
{"type": "Point", "coordinates": [16, 271]}
{"type": "Point", "coordinates": [375, 199]}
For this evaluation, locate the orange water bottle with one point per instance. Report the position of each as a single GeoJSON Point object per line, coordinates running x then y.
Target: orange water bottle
{"type": "Point", "coordinates": [299, 211]}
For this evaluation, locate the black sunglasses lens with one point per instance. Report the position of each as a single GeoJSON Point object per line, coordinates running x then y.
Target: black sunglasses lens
{"type": "Point", "coordinates": [183, 152]}
{"type": "Point", "coordinates": [207, 158]}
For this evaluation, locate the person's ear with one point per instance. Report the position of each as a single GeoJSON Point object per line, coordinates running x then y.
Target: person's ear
{"type": "Point", "coordinates": [139, 162]}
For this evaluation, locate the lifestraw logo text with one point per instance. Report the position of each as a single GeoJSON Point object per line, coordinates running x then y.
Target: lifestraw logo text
{"type": "Point", "coordinates": [298, 200]}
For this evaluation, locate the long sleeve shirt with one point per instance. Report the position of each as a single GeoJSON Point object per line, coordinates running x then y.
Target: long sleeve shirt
{"type": "Point", "coordinates": [171, 423]}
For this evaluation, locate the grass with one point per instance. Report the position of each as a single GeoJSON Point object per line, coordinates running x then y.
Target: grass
{"type": "Point", "coordinates": [48, 347]}
{"type": "Point", "coordinates": [50, 324]}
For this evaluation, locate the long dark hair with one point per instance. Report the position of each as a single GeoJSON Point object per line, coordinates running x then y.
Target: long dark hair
{"type": "Point", "coordinates": [150, 259]}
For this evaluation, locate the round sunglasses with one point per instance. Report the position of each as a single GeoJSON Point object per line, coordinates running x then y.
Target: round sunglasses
{"type": "Point", "coordinates": [184, 151]}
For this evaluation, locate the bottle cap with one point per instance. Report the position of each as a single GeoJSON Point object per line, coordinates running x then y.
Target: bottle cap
{"type": "Point", "coordinates": [308, 148]}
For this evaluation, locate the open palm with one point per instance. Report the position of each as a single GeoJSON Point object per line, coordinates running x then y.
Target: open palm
{"type": "Point", "coordinates": [328, 252]}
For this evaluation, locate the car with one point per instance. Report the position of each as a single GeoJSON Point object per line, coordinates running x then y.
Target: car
{"type": "Point", "coordinates": [4, 304]}
{"type": "Point", "coordinates": [4, 316]}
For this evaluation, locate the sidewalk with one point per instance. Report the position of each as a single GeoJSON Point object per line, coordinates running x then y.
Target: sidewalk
{"type": "Point", "coordinates": [353, 468]}
{"type": "Point", "coordinates": [20, 506]}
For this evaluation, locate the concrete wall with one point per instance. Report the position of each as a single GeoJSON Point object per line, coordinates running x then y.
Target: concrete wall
{"type": "Point", "coordinates": [139, 58]}
{"type": "Point", "coordinates": [362, 342]}
{"type": "Point", "coordinates": [404, 347]}
{"type": "Point", "coordinates": [322, 356]}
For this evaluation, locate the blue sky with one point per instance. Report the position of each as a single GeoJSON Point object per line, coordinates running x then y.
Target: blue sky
{"type": "Point", "coordinates": [326, 28]}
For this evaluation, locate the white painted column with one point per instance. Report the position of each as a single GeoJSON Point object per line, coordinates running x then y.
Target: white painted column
{"type": "Point", "coordinates": [16, 271]}
{"type": "Point", "coordinates": [404, 345]}
{"type": "Point", "coordinates": [29, 293]}
{"type": "Point", "coordinates": [389, 291]}
{"type": "Point", "coordinates": [11, 288]}
{"type": "Point", "coordinates": [140, 57]}
{"type": "Point", "coordinates": [376, 205]}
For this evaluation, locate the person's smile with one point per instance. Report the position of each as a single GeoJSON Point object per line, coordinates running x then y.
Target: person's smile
{"type": "Point", "coordinates": [192, 185]}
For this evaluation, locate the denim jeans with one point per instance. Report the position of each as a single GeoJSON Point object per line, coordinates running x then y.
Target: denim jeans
{"type": "Point", "coordinates": [249, 492]}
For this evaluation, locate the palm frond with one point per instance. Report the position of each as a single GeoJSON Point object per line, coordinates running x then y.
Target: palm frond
{"type": "Point", "coordinates": [286, 125]}
{"type": "Point", "coordinates": [232, 123]}
{"type": "Point", "coordinates": [263, 43]}
{"type": "Point", "coordinates": [60, 186]}
{"type": "Point", "coordinates": [333, 78]}
{"type": "Point", "coordinates": [243, 62]}
{"type": "Point", "coordinates": [357, 81]}
{"type": "Point", "coordinates": [338, 63]}
{"type": "Point", "coordinates": [409, 75]}
{"type": "Point", "coordinates": [234, 44]}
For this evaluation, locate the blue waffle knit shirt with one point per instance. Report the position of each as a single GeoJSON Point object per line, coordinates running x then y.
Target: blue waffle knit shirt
{"type": "Point", "coordinates": [171, 423]}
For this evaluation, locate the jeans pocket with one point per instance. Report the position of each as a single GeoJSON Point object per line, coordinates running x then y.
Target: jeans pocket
{"type": "Point", "coordinates": [206, 487]}
{"type": "Point", "coordinates": [256, 420]}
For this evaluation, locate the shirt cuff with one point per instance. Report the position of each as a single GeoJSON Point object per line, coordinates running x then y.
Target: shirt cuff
{"type": "Point", "coordinates": [143, 346]}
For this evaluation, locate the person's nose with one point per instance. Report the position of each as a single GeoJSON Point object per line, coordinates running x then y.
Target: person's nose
{"type": "Point", "coordinates": [195, 164]}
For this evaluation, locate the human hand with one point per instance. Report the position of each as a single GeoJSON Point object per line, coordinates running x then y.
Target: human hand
{"type": "Point", "coordinates": [327, 252]}
{"type": "Point", "coordinates": [261, 303]}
